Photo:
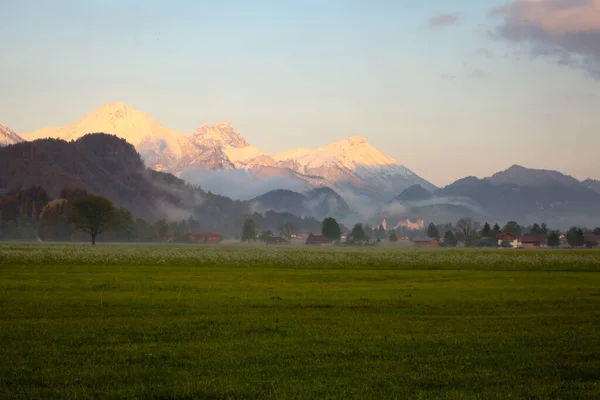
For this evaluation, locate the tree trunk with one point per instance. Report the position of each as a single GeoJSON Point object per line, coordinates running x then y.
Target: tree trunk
{"type": "Point", "coordinates": [93, 239]}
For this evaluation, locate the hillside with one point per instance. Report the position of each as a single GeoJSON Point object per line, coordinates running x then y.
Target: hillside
{"type": "Point", "coordinates": [318, 203]}
{"type": "Point", "coordinates": [109, 166]}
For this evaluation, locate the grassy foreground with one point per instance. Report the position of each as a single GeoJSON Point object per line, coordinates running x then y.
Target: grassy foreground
{"type": "Point", "coordinates": [244, 322]}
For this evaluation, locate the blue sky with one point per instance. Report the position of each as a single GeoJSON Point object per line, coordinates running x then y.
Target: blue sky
{"type": "Point", "coordinates": [447, 100]}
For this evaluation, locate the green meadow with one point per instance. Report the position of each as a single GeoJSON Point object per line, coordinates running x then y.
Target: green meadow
{"type": "Point", "coordinates": [257, 322]}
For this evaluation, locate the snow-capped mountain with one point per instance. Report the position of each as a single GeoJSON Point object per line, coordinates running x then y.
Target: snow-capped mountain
{"type": "Point", "coordinates": [8, 136]}
{"type": "Point", "coordinates": [347, 164]}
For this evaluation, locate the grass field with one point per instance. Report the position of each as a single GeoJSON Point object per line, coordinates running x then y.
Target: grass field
{"type": "Point", "coordinates": [245, 322]}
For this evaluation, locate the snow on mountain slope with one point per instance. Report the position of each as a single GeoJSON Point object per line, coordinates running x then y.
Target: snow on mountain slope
{"type": "Point", "coordinates": [121, 120]}
{"type": "Point", "coordinates": [8, 136]}
{"type": "Point", "coordinates": [349, 153]}
{"type": "Point", "coordinates": [222, 135]}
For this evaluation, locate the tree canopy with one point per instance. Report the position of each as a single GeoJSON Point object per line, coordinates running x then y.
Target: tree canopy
{"type": "Point", "coordinates": [93, 215]}
{"type": "Point", "coordinates": [248, 230]}
{"type": "Point", "coordinates": [512, 227]}
{"type": "Point", "coordinates": [432, 231]}
{"type": "Point", "coordinates": [575, 237]}
{"type": "Point", "coordinates": [331, 229]}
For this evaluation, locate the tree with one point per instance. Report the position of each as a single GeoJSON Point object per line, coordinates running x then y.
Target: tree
{"type": "Point", "coordinates": [537, 230]}
{"type": "Point", "coordinates": [486, 232]}
{"type": "Point", "coordinates": [358, 234]}
{"type": "Point", "coordinates": [124, 227]}
{"type": "Point", "coordinates": [512, 227]}
{"type": "Point", "coordinates": [575, 237]}
{"type": "Point", "coordinates": [450, 239]}
{"type": "Point", "coordinates": [496, 230]}
{"type": "Point", "coordinates": [380, 233]}
{"type": "Point", "coordinates": [93, 215]}
{"type": "Point", "coordinates": [162, 230]}
{"type": "Point", "coordinates": [265, 236]}
{"type": "Point", "coordinates": [432, 231]}
{"type": "Point", "coordinates": [54, 221]}
{"type": "Point", "coordinates": [597, 231]}
{"type": "Point", "coordinates": [468, 229]}
{"type": "Point", "coordinates": [287, 230]}
{"type": "Point", "coordinates": [553, 239]}
{"type": "Point", "coordinates": [393, 238]}
{"type": "Point", "coordinates": [331, 229]}
{"type": "Point", "coordinates": [248, 230]}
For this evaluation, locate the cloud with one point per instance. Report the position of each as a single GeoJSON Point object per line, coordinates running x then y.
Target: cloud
{"type": "Point", "coordinates": [443, 20]}
{"type": "Point", "coordinates": [447, 77]}
{"type": "Point", "coordinates": [567, 31]}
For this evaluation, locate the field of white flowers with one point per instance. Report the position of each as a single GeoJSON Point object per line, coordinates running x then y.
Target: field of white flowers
{"type": "Point", "coordinates": [299, 257]}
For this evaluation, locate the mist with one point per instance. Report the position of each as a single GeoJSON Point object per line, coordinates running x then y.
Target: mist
{"type": "Point", "coordinates": [239, 184]}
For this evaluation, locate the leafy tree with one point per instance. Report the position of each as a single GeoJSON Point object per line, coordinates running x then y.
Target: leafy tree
{"type": "Point", "coordinates": [468, 229]}
{"type": "Point", "coordinates": [331, 229]}
{"type": "Point", "coordinates": [162, 230]}
{"type": "Point", "coordinates": [265, 236]}
{"type": "Point", "coordinates": [486, 232]}
{"type": "Point", "coordinates": [358, 234]}
{"type": "Point", "coordinates": [54, 221]}
{"type": "Point", "coordinates": [505, 244]}
{"type": "Point", "coordinates": [597, 231]}
{"type": "Point", "coordinates": [93, 215]}
{"type": "Point", "coordinates": [393, 238]}
{"type": "Point", "coordinates": [432, 231]}
{"type": "Point", "coordinates": [450, 239]}
{"type": "Point", "coordinates": [249, 230]}
{"type": "Point", "coordinates": [512, 227]}
{"type": "Point", "coordinates": [575, 237]}
{"type": "Point", "coordinates": [124, 228]}
{"type": "Point", "coordinates": [287, 230]}
{"type": "Point", "coordinates": [144, 232]}
{"type": "Point", "coordinates": [26, 228]}
{"type": "Point", "coordinates": [553, 239]}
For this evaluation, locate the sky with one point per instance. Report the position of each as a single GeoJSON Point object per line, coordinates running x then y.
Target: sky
{"type": "Point", "coordinates": [451, 88]}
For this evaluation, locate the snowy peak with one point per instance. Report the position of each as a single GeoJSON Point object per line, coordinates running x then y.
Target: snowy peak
{"type": "Point", "coordinates": [8, 136]}
{"type": "Point", "coordinates": [354, 152]}
{"type": "Point", "coordinates": [220, 134]}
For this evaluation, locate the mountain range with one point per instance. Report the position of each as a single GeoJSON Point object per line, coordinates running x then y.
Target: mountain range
{"type": "Point", "coordinates": [348, 179]}
{"type": "Point", "coordinates": [349, 165]}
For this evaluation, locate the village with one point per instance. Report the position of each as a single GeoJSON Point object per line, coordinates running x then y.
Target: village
{"type": "Point", "coordinates": [409, 233]}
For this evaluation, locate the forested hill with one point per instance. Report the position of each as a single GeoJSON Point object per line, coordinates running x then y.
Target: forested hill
{"type": "Point", "coordinates": [109, 166]}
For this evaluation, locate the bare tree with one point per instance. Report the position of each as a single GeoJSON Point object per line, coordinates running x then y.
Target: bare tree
{"type": "Point", "coordinates": [468, 229]}
{"type": "Point", "coordinates": [287, 230]}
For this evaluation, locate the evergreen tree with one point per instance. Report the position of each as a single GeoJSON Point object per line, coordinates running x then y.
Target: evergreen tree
{"type": "Point", "coordinates": [553, 239]}
{"type": "Point", "coordinates": [575, 237]}
{"type": "Point", "coordinates": [432, 231]}
{"type": "Point", "coordinates": [486, 232]}
{"type": "Point", "coordinates": [393, 238]}
{"type": "Point", "coordinates": [450, 239]}
{"type": "Point", "coordinates": [512, 227]}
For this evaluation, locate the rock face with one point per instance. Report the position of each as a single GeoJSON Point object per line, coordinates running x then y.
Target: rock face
{"type": "Point", "coordinates": [8, 137]}
{"type": "Point", "coordinates": [350, 164]}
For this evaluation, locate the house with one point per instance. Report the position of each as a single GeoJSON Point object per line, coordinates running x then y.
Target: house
{"type": "Point", "coordinates": [408, 224]}
{"type": "Point", "coordinates": [205, 237]}
{"type": "Point", "coordinates": [512, 240]}
{"type": "Point", "coordinates": [530, 242]}
{"type": "Point", "coordinates": [427, 242]}
{"type": "Point", "coordinates": [591, 240]}
{"type": "Point", "coordinates": [276, 240]}
{"type": "Point", "coordinates": [317, 240]}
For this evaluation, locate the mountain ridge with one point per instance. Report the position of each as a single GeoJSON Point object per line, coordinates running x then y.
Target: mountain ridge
{"type": "Point", "coordinates": [349, 164]}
